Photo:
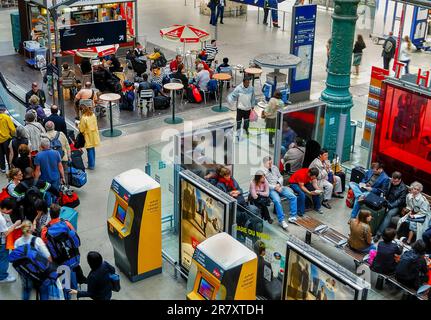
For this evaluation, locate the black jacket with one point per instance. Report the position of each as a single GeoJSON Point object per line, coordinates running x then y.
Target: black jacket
{"type": "Point", "coordinates": [391, 53]}
{"type": "Point", "coordinates": [59, 123]}
{"type": "Point", "coordinates": [40, 94]}
{"type": "Point", "coordinates": [396, 196]}
{"type": "Point", "coordinates": [412, 270]}
{"type": "Point", "coordinates": [98, 283]}
{"type": "Point", "coordinates": [384, 262]}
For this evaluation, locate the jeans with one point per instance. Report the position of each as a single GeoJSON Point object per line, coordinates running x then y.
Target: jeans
{"type": "Point", "coordinates": [213, 19]}
{"type": "Point", "coordinates": [275, 197]}
{"type": "Point", "coordinates": [301, 199]}
{"type": "Point", "coordinates": [4, 262]}
{"type": "Point", "coordinates": [358, 192]}
{"type": "Point", "coordinates": [367, 250]}
{"type": "Point", "coordinates": [265, 15]}
{"type": "Point", "coordinates": [387, 221]}
{"type": "Point", "coordinates": [91, 155]}
{"type": "Point", "coordinates": [386, 62]}
{"type": "Point", "coordinates": [406, 66]}
{"type": "Point", "coordinates": [220, 12]}
{"type": "Point", "coordinates": [49, 197]}
{"type": "Point", "coordinates": [27, 288]}
{"type": "Point", "coordinates": [4, 154]}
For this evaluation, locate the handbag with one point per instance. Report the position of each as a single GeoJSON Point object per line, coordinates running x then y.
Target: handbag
{"type": "Point", "coordinates": [253, 116]}
{"type": "Point", "coordinates": [80, 141]}
{"type": "Point", "coordinates": [115, 282]}
{"type": "Point", "coordinates": [373, 201]}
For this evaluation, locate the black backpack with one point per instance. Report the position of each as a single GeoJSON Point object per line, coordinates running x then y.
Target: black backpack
{"type": "Point", "coordinates": [32, 193]}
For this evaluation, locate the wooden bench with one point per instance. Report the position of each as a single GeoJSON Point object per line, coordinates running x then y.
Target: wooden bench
{"type": "Point", "coordinates": [314, 226]}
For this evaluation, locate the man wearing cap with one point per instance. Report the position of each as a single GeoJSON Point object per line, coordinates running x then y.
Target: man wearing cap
{"type": "Point", "coordinates": [7, 130]}
{"type": "Point", "coordinates": [37, 92]}
{"type": "Point", "coordinates": [59, 122]}
{"type": "Point", "coordinates": [84, 93]}
{"type": "Point", "coordinates": [244, 99]}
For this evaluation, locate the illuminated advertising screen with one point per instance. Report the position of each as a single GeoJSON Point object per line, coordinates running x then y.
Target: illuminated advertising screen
{"type": "Point", "coordinates": [403, 134]}
{"type": "Point", "coordinates": [310, 275]}
{"type": "Point", "coordinates": [203, 214]}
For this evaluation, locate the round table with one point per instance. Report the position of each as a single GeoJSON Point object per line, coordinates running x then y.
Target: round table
{"type": "Point", "coordinates": [172, 87]}
{"type": "Point", "coordinates": [254, 72]}
{"type": "Point", "coordinates": [220, 77]}
{"type": "Point", "coordinates": [110, 97]}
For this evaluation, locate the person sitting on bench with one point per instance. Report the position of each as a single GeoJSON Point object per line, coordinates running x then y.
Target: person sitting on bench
{"type": "Point", "coordinates": [304, 181]}
{"type": "Point", "coordinates": [360, 238]}
{"type": "Point", "coordinates": [384, 262]}
{"type": "Point", "coordinates": [326, 180]}
{"type": "Point", "coordinates": [412, 270]}
{"type": "Point", "coordinates": [417, 213]}
{"type": "Point", "coordinates": [376, 180]}
{"type": "Point", "coordinates": [276, 189]}
{"type": "Point", "coordinates": [395, 202]}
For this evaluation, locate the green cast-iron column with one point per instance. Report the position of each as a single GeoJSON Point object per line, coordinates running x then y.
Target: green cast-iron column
{"type": "Point", "coordinates": [337, 95]}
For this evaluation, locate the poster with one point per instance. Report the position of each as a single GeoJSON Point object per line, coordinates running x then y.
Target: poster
{"type": "Point", "coordinates": [302, 46]}
{"type": "Point", "coordinates": [307, 281]}
{"type": "Point", "coordinates": [202, 216]}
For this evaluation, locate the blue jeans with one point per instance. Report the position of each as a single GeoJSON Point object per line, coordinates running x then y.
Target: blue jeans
{"type": "Point", "coordinates": [301, 199]}
{"type": "Point", "coordinates": [220, 12]}
{"type": "Point", "coordinates": [49, 197]}
{"type": "Point", "coordinates": [275, 197]}
{"type": "Point", "coordinates": [358, 192]}
{"type": "Point", "coordinates": [27, 288]}
{"type": "Point", "coordinates": [91, 155]}
{"type": "Point", "coordinates": [213, 19]}
{"type": "Point", "coordinates": [367, 250]}
{"type": "Point", "coordinates": [4, 262]}
{"type": "Point", "coordinates": [406, 67]}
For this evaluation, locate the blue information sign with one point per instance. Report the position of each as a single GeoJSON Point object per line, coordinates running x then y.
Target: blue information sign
{"type": "Point", "coordinates": [302, 46]}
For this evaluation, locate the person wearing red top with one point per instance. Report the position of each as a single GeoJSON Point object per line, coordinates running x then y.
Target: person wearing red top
{"type": "Point", "coordinates": [54, 213]}
{"type": "Point", "coordinates": [174, 63]}
{"type": "Point", "coordinates": [304, 181]}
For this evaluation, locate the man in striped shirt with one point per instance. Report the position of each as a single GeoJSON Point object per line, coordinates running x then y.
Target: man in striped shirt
{"type": "Point", "coordinates": [211, 51]}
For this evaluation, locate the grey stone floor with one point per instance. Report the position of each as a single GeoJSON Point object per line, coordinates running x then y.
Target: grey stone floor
{"type": "Point", "coordinates": [240, 40]}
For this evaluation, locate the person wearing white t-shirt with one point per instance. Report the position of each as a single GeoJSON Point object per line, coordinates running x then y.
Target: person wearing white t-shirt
{"type": "Point", "coordinates": [5, 229]}
{"type": "Point", "coordinates": [26, 238]}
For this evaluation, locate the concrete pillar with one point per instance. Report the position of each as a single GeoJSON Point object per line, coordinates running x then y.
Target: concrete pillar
{"type": "Point", "coordinates": [337, 95]}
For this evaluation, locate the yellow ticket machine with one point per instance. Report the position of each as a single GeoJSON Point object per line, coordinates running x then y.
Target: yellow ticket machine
{"type": "Point", "coordinates": [134, 224]}
{"type": "Point", "coordinates": [222, 269]}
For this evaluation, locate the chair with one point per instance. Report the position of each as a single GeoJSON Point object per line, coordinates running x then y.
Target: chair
{"type": "Point", "coordinates": [173, 80]}
{"type": "Point", "coordinates": [208, 91]}
{"type": "Point", "coordinates": [148, 96]}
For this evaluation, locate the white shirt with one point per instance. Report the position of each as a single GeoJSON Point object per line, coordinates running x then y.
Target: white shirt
{"type": "Point", "coordinates": [39, 245]}
{"type": "Point", "coordinates": [405, 52]}
{"type": "Point", "coordinates": [3, 228]}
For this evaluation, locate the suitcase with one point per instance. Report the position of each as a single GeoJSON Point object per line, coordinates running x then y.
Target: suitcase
{"type": "Point", "coordinates": [70, 215]}
{"type": "Point", "coordinates": [358, 173]}
{"type": "Point", "coordinates": [378, 216]}
{"type": "Point", "coordinates": [76, 159]}
{"type": "Point", "coordinates": [342, 176]}
{"type": "Point", "coordinates": [68, 198]}
{"type": "Point", "coordinates": [161, 102]}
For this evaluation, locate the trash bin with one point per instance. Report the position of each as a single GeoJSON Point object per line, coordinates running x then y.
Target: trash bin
{"type": "Point", "coordinates": [353, 125]}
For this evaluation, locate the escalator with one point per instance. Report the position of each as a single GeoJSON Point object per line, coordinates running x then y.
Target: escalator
{"type": "Point", "coordinates": [13, 102]}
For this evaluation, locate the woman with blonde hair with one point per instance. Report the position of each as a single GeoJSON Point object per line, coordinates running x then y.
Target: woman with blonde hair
{"type": "Point", "coordinates": [34, 104]}
{"type": "Point", "coordinates": [14, 176]}
{"type": "Point", "coordinates": [88, 127]}
{"type": "Point", "coordinates": [27, 239]}
{"type": "Point", "coordinates": [405, 52]}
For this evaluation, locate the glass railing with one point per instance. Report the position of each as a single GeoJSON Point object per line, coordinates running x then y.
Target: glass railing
{"type": "Point", "coordinates": [14, 103]}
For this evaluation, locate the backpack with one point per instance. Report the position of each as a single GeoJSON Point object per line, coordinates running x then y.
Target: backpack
{"type": "Point", "coordinates": [40, 61]}
{"type": "Point", "coordinates": [388, 46]}
{"type": "Point", "coordinates": [56, 145]}
{"type": "Point", "coordinates": [350, 199]}
{"type": "Point", "coordinates": [30, 264]}
{"type": "Point", "coordinates": [32, 193]}
{"type": "Point", "coordinates": [63, 244]}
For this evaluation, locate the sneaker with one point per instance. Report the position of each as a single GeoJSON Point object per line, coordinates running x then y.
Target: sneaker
{"type": "Point", "coordinates": [284, 225]}
{"type": "Point", "coordinates": [403, 239]}
{"type": "Point", "coordinates": [338, 195]}
{"type": "Point", "coordinates": [292, 220]}
{"type": "Point", "coordinates": [9, 279]}
{"type": "Point", "coordinates": [326, 204]}
{"type": "Point", "coordinates": [3, 170]}
{"type": "Point", "coordinates": [319, 211]}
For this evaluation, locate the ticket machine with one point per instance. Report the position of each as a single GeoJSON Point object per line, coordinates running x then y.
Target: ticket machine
{"type": "Point", "coordinates": [222, 269]}
{"type": "Point", "coordinates": [134, 224]}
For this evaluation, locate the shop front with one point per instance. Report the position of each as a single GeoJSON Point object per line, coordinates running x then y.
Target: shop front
{"type": "Point", "coordinates": [40, 24]}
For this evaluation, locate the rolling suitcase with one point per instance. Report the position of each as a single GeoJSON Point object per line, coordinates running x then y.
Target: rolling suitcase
{"type": "Point", "coordinates": [70, 215]}
{"type": "Point", "coordinates": [358, 173]}
{"type": "Point", "coordinates": [76, 158]}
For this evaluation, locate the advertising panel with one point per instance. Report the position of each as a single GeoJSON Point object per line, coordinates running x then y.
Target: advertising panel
{"type": "Point", "coordinates": [93, 35]}
{"type": "Point", "coordinates": [302, 46]}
